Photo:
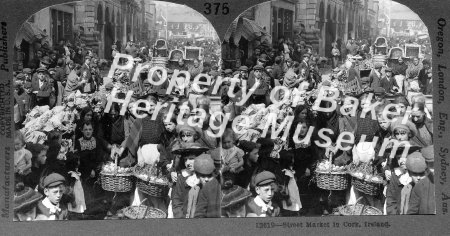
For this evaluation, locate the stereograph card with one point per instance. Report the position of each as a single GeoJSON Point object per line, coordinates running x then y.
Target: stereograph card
{"type": "Point", "coordinates": [224, 117]}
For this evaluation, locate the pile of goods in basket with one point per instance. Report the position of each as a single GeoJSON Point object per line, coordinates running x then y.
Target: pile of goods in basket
{"type": "Point", "coordinates": [331, 177]}
{"type": "Point", "coordinates": [364, 171]}
{"type": "Point", "coordinates": [358, 209]}
{"type": "Point", "coordinates": [366, 179]}
{"type": "Point", "coordinates": [143, 212]}
{"type": "Point", "coordinates": [151, 174]}
{"type": "Point", "coordinates": [111, 168]}
{"type": "Point", "coordinates": [326, 166]}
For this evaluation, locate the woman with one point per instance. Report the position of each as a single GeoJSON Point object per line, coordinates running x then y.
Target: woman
{"type": "Point", "coordinates": [86, 115]}
{"type": "Point", "coordinates": [195, 69]}
{"type": "Point", "coordinates": [39, 157]}
{"type": "Point", "coordinates": [251, 156]}
{"type": "Point", "coordinates": [74, 83]}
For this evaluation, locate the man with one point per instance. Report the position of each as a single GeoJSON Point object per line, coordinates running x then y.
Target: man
{"type": "Point", "coordinates": [277, 71]}
{"type": "Point", "coordinates": [375, 76]}
{"type": "Point", "coordinates": [352, 47]}
{"type": "Point", "coordinates": [263, 88]}
{"type": "Point", "coordinates": [305, 63]}
{"type": "Point", "coordinates": [87, 67]}
{"type": "Point", "coordinates": [412, 73]}
{"type": "Point", "coordinates": [424, 125]}
{"type": "Point", "coordinates": [27, 72]}
{"type": "Point", "coordinates": [255, 56]}
{"type": "Point", "coordinates": [424, 76]}
{"type": "Point", "coordinates": [400, 68]}
{"type": "Point", "coordinates": [42, 88]}
{"type": "Point", "coordinates": [388, 83]}
{"type": "Point", "coordinates": [262, 205]}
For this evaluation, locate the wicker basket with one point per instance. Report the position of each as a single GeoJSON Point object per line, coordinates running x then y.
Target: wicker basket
{"type": "Point", "coordinates": [150, 212]}
{"type": "Point", "coordinates": [117, 182]}
{"type": "Point", "coordinates": [370, 188]}
{"type": "Point", "coordinates": [332, 180]}
{"type": "Point", "coordinates": [152, 189]}
{"type": "Point", "coordinates": [359, 209]}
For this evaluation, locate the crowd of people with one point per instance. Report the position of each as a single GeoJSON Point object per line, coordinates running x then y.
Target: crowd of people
{"type": "Point", "coordinates": [231, 165]}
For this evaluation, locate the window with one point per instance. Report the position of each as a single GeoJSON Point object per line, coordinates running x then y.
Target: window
{"type": "Point", "coordinates": [61, 25]}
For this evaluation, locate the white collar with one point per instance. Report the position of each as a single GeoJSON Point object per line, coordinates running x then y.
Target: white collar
{"type": "Point", "coordinates": [192, 181]}
{"type": "Point", "coordinates": [258, 201]}
{"type": "Point", "coordinates": [53, 209]}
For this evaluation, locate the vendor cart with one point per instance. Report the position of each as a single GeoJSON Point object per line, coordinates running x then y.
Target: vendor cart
{"type": "Point", "coordinates": [191, 53]}
{"type": "Point", "coordinates": [160, 48]}
{"type": "Point", "coordinates": [412, 51]}
{"type": "Point", "coordinates": [176, 55]}
{"type": "Point", "coordinates": [381, 46]}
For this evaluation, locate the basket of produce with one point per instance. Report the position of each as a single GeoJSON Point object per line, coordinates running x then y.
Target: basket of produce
{"type": "Point", "coordinates": [358, 210]}
{"type": "Point", "coordinates": [365, 179]}
{"type": "Point", "coordinates": [116, 179]}
{"type": "Point", "coordinates": [331, 177]}
{"type": "Point", "coordinates": [143, 212]}
{"type": "Point", "coordinates": [151, 181]}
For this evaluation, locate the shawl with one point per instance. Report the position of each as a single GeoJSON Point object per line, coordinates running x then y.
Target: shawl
{"type": "Point", "coordinates": [290, 79]}
{"type": "Point", "coordinates": [413, 71]}
{"type": "Point", "coordinates": [72, 84]}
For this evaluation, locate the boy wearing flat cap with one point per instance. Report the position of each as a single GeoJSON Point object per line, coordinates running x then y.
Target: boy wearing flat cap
{"type": "Point", "coordinates": [50, 208]}
{"type": "Point", "coordinates": [422, 200]}
{"type": "Point", "coordinates": [262, 205]}
{"type": "Point", "coordinates": [209, 196]}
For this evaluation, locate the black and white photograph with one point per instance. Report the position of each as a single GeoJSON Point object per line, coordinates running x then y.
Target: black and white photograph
{"type": "Point", "coordinates": [141, 109]}
{"type": "Point", "coordinates": [362, 147]}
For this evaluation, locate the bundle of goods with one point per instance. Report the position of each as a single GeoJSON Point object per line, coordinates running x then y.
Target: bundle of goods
{"type": "Point", "coordinates": [365, 65]}
{"type": "Point", "coordinates": [78, 100]}
{"type": "Point", "coordinates": [41, 120]}
{"type": "Point", "coordinates": [143, 212]}
{"type": "Point", "coordinates": [115, 178]}
{"type": "Point", "coordinates": [151, 180]}
{"type": "Point", "coordinates": [330, 176]}
{"type": "Point", "coordinates": [365, 179]}
{"type": "Point", "coordinates": [358, 210]}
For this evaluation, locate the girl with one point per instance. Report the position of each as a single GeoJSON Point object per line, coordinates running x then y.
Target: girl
{"type": "Point", "coordinates": [186, 184]}
{"type": "Point", "coordinates": [231, 156]}
{"type": "Point", "coordinates": [250, 166]}
{"type": "Point", "coordinates": [399, 186]}
{"type": "Point", "coordinates": [22, 157]}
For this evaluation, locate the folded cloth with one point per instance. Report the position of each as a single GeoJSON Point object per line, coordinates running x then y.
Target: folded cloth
{"type": "Point", "coordinates": [148, 154]}
{"type": "Point", "coordinates": [293, 192]}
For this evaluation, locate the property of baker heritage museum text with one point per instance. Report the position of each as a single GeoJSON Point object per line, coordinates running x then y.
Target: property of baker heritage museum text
{"type": "Point", "coordinates": [137, 109]}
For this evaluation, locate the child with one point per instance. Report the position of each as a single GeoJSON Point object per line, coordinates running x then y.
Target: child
{"type": "Point", "coordinates": [50, 208]}
{"type": "Point", "coordinates": [262, 205]}
{"type": "Point", "coordinates": [22, 157]}
{"type": "Point", "coordinates": [187, 184]}
{"type": "Point", "coordinates": [209, 196]}
{"type": "Point", "coordinates": [231, 156]}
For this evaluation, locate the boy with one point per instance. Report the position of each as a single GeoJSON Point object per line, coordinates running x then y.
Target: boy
{"type": "Point", "coordinates": [422, 200]}
{"type": "Point", "coordinates": [262, 205]}
{"type": "Point", "coordinates": [50, 208]}
{"type": "Point", "coordinates": [209, 196]}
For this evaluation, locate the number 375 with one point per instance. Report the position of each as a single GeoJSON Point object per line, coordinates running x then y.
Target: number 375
{"type": "Point", "coordinates": [210, 7]}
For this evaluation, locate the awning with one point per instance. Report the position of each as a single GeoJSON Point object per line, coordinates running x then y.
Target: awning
{"type": "Point", "coordinates": [246, 28]}
{"type": "Point", "coordinates": [29, 32]}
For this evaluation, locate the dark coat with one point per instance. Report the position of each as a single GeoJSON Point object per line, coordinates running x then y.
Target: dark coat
{"type": "Point", "coordinates": [43, 210]}
{"type": "Point", "coordinates": [422, 200]}
{"type": "Point", "coordinates": [180, 197]}
{"type": "Point", "coordinates": [209, 198]}
{"type": "Point", "coordinates": [374, 80]}
{"type": "Point", "coordinates": [393, 195]}
{"type": "Point", "coordinates": [44, 91]}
